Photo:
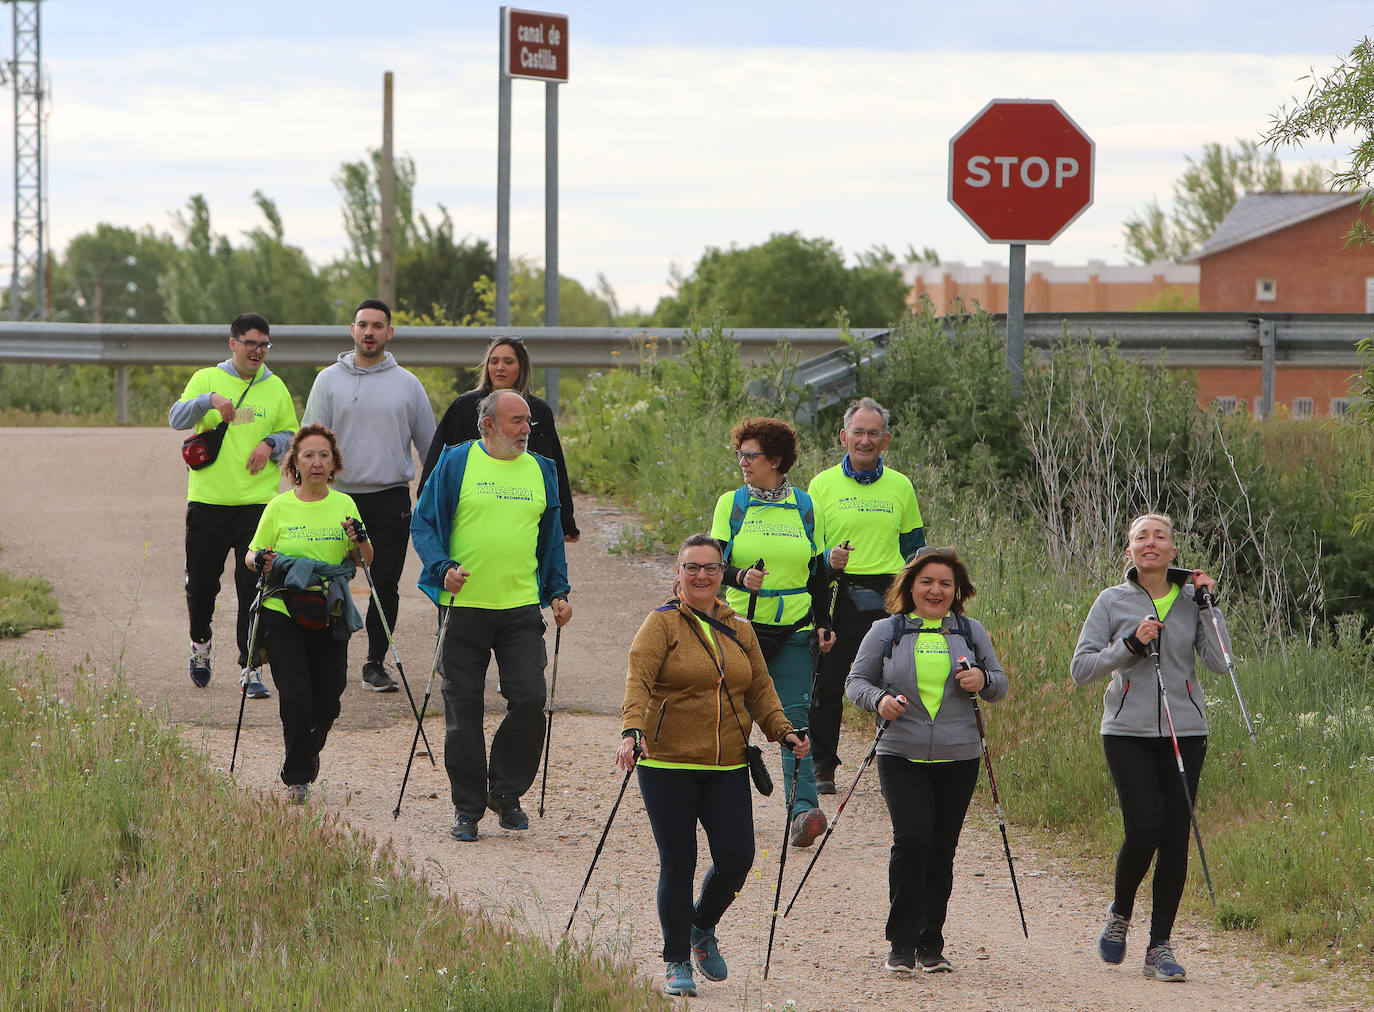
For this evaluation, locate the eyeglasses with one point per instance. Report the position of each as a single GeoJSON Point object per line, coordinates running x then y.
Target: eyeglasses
{"type": "Point", "coordinates": [870, 433]}
{"type": "Point", "coordinates": [748, 456]}
{"type": "Point", "coordinates": [255, 345]}
{"type": "Point", "coordinates": [709, 568]}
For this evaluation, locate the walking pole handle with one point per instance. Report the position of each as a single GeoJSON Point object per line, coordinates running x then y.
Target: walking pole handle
{"type": "Point", "coordinates": [753, 595]}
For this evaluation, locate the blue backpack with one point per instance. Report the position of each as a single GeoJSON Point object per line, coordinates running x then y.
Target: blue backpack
{"type": "Point", "coordinates": [740, 506]}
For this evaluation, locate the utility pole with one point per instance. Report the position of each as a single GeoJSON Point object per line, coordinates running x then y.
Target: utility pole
{"type": "Point", "coordinates": [386, 267]}
{"type": "Point", "coordinates": [24, 74]}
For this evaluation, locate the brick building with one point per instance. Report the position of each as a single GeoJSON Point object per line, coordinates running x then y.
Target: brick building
{"type": "Point", "coordinates": [1284, 253]}
{"type": "Point", "coordinates": [1094, 288]}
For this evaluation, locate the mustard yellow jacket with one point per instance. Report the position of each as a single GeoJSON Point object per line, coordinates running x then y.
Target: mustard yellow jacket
{"type": "Point", "coordinates": [674, 695]}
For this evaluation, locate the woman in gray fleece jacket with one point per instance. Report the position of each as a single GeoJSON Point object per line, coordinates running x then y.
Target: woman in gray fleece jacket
{"type": "Point", "coordinates": [1157, 607]}
{"type": "Point", "coordinates": [908, 672]}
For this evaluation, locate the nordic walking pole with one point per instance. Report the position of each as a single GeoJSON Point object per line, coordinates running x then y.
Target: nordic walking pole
{"type": "Point", "coordinates": [800, 732]}
{"type": "Point", "coordinates": [753, 594]}
{"type": "Point", "coordinates": [420, 717]}
{"type": "Point", "coordinates": [882, 726]}
{"type": "Point", "coordinates": [602, 842]}
{"type": "Point", "coordinates": [243, 683]}
{"type": "Point", "coordinates": [391, 641]}
{"type": "Point", "coordinates": [1230, 665]}
{"type": "Point", "coordinates": [548, 710]}
{"type": "Point", "coordinates": [1182, 774]}
{"type": "Point", "coordinates": [996, 802]}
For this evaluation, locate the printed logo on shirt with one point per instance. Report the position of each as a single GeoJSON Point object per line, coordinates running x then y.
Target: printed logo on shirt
{"type": "Point", "coordinates": [785, 530]}
{"type": "Point", "coordinates": [866, 505]}
{"type": "Point", "coordinates": [511, 492]}
{"type": "Point", "coordinates": [304, 532]}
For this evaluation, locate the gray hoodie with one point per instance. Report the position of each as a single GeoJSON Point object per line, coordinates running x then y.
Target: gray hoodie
{"type": "Point", "coordinates": [1131, 704]}
{"type": "Point", "coordinates": [376, 414]}
{"type": "Point", "coordinates": [878, 671]}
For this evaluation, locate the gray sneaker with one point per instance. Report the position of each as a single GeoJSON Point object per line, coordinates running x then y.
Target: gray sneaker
{"type": "Point", "coordinates": [251, 680]}
{"type": "Point", "coordinates": [376, 678]}
{"type": "Point", "coordinates": [1161, 964]}
{"type": "Point", "coordinates": [200, 664]}
{"type": "Point", "coordinates": [297, 794]}
{"type": "Point", "coordinates": [1111, 944]}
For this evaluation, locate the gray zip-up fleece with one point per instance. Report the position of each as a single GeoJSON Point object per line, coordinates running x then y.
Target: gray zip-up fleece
{"type": "Point", "coordinates": [1131, 704]}
{"type": "Point", "coordinates": [377, 414]}
{"type": "Point", "coordinates": [953, 734]}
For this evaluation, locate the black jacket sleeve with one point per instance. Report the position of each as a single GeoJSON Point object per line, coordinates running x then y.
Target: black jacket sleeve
{"type": "Point", "coordinates": [544, 441]}
{"type": "Point", "coordinates": [458, 425]}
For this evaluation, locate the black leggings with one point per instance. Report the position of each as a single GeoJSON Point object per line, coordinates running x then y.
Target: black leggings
{"type": "Point", "coordinates": [676, 800]}
{"type": "Point", "coordinates": [1154, 816]}
{"type": "Point", "coordinates": [309, 668]}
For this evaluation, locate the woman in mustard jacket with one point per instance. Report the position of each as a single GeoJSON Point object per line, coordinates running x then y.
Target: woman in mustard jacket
{"type": "Point", "coordinates": [696, 683]}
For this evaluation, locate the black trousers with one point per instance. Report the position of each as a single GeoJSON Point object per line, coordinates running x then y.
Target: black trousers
{"type": "Point", "coordinates": [387, 516]}
{"type": "Point", "coordinates": [675, 801]}
{"type": "Point", "coordinates": [516, 636]}
{"type": "Point", "coordinates": [827, 708]}
{"type": "Point", "coordinates": [1154, 816]}
{"type": "Point", "coordinates": [211, 533]}
{"type": "Point", "coordinates": [927, 803]}
{"type": "Point", "coordinates": [310, 669]}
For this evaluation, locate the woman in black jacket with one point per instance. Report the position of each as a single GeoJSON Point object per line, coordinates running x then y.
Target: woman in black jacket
{"type": "Point", "coordinates": [506, 366]}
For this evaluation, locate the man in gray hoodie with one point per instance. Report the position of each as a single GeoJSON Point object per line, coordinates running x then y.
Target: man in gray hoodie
{"type": "Point", "coordinates": [377, 411]}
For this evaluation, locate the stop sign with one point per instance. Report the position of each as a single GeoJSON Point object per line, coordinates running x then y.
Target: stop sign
{"type": "Point", "coordinates": [1021, 170]}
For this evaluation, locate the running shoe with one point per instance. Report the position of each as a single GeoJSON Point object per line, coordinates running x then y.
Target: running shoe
{"type": "Point", "coordinates": [807, 827]}
{"type": "Point", "coordinates": [902, 959]}
{"type": "Point", "coordinates": [1111, 944]}
{"type": "Point", "coordinates": [251, 680]}
{"type": "Point", "coordinates": [297, 794]}
{"type": "Point", "coordinates": [507, 806]}
{"type": "Point", "coordinates": [1161, 964]}
{"type": "Point", "coordinates": [376, 678]}
{"type": "Point", "coordinates": [825, 779]}
{"type": "Point", "coordinates": [464, 829]}
{"type": "Point", "coordinates": [706, 954]}
{"type": "Point", "coordinates": [200, 664]}
{"type": "Point", "coordinates": [935, 963]}
{"type": "Point", "coordinates": [679, 980]}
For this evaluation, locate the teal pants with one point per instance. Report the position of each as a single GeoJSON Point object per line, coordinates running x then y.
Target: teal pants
{"type": "Point", "coordinates": [791, 670]}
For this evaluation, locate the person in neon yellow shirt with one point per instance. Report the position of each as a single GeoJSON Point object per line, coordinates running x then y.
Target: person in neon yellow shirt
{"type": "Point", "coordinates": [488, 533]}
{"type": "Point", "coordinates": [872, 508]}
{"type": "Point", "coordinates": [697, 681]}
{"type": "Point", "coordinates": [310, 530]}
{"type": "Point", "coordinates": [769, 519]}
{"type": "Point", "coordinates": [907, 671]}
{"type": "Point", "coordinates": [225, 499]}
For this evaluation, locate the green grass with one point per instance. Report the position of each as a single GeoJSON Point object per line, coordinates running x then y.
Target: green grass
{"type": "Point", "coordinates": [135, 877]}
{"type": "Point", "coordinates": [26, 603]}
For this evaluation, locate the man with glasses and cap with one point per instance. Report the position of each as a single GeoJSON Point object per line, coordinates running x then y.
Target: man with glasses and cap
{"type": "Point", "coordinates": [226, 497]}
{"type": "Point", "coordinates": [873, 509]}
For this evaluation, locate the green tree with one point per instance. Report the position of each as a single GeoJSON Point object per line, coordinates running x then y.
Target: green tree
{"type": "Point", "coordinates": [438, 272]}
{"type": "Point", "coordinates": [1205, 194]}
{"type": "Point", "coordinates": [360, 185]}
{"type": "Point", "coordinates": [111, 275]}
{"type": "Point", "coordinates": [1338, 101]}
{"type": "Point", "coordinates": [788, 281]}
{"type": "Point", "coordinates": [211, 281]}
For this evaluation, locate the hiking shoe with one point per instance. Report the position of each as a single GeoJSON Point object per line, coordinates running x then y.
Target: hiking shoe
{"type": "Point", "coordinates": [251, 680]}
{"type": "Point", "coordinates": [1111, 944]}
{"type": "Point", "coordinates": [1161, 964]}
{"type": "Point", "coordinates": [807, 826]}
{"type": "Point", "coordinates": [507, 806]}
{"type": "Point", "coordinates": [936, 963]}
{"type": "Point", "coordinates": [200, 664]}
{"type": "Point", "coordinates": [825, 779]}
{"type": "Point", "coordinates": [464, 829]}
{"type": "Point", "coordinates": [679, 980]}
{"type": "Point", "coordinates": [376, 678]}
{"type": "Point", "coordinates": [706, 954]}
{"type": "Point", "coordinates": [297, 794]}
{"type": "Point", "coordinates": [902, 959]}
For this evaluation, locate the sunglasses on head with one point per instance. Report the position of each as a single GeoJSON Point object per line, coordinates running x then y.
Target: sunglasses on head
{"type": "Point", "coordinates": [928, 550]}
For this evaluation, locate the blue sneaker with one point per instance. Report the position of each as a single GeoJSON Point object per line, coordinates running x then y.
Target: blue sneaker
{"type": "Point", "coordinates": [706, 954]}
{"type": "Point", "coordinates": [1111, 944]}
{"type": "Point", "coordinates": [464, 829]}
{"type": "Point", "coordinates": [1161, 964]}
{"type": "Point", "coordinates": [251, 680]}
{"type": "Point", "coordinates": [679, 980]}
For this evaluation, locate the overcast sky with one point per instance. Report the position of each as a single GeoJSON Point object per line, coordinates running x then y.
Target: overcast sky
{"type": "Point", "coordinates": [683, 125]}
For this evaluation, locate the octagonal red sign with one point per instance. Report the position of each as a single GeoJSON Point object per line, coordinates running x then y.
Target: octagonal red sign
{"type": "Point", "coordinates": [1021, 170]}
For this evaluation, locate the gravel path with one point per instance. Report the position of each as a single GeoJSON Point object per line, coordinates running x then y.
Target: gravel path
{"type": "Point", "coordinates": [108, 533]}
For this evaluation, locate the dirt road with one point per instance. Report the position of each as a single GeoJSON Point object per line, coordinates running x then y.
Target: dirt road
{"type": "Point", "coordinates": [100, 514]}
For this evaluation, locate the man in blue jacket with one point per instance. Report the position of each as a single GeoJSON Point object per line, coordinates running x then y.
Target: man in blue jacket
{"type": "Point", "coordinates": [488, 533]}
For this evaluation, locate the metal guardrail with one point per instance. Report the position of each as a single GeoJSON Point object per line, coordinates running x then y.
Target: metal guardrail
{"type": "Point", "coordinates": [1187, 341]}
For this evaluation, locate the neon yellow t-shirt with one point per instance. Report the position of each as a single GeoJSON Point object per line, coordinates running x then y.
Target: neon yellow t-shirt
{"type": "Point", "coordinates": [872, 517]}
{"type": "Point", "coordinates": [1163, 604]}
{"type": "Point", "coordinates": [266, 409]}
{"type": "Point", "coordinates": [775, 533]}
{"type": "Point", "coordinates": [932, 664]}
{"type": "Point", "coordinates": [496, 531]}
{"type": "Point", "coordinates": [309, 530]}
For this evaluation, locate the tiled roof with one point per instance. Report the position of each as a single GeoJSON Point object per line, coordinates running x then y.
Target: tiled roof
{"type": "Point", "coordinates": [1257, 214]}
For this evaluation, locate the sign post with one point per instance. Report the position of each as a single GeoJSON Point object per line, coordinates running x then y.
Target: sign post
{"type": "Point", "coordinates": [534, 46]}
{"type": "Point", "coordinates": [1020, 172]}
